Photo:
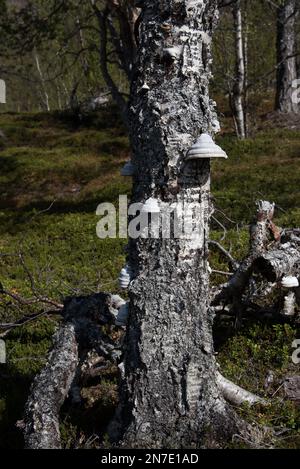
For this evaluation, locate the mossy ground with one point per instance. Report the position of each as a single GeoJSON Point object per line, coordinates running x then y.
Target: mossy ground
{"type": "Point", "coordinates": [54, 172]}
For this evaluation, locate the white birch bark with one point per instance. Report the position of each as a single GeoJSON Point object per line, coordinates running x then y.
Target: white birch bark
{"type": "Point", "coordinates": [238, 88]}
{"type": "Point", "coordinates": [170, 395]}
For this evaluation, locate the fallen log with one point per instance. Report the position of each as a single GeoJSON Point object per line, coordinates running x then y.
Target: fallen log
{"type": "Point", "coordinates": [80, 330]}
{"type": "Point", "coordinates": [49, 391]}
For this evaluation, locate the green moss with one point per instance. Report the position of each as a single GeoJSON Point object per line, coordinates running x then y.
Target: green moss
{"type": "Point", "coordinates": [263, 167]}
{"type": "Point", "coordinates": [43, 160]}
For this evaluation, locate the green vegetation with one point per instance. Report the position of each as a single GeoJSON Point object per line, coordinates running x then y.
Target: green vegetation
{"type": "Point", "coordinates": [53, 174]}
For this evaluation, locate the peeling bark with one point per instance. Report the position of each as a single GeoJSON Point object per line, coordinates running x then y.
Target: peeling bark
{"type": "Point", "coordinates": [238, 88]}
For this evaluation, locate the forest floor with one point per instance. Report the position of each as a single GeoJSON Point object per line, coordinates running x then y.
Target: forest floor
{"type": "Point", "coordinates": [53, 174]}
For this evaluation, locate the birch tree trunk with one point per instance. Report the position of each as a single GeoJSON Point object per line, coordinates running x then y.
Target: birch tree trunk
{"type": "Point", "coordinates": [286, 59]}
{"type": "Point", "coordinates": [238, 88]}
{"type": "Point", "coordinates": [170, 397]}
{"type": "Point", "coordinates": [43, 84]}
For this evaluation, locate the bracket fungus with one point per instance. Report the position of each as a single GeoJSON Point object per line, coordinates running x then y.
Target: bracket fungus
{"type": "Point", "coordinates": [125, 277]}
{"type": "Point", "coordinates": [172, 53]}
{"type": "Point", "coordinates": [205, 147]}
{"type": "Point", "coordinates": [289, 281]}
{"type": "Point", "coordinates": [145, 87]}
{"type": "Point", "coordinates": [151, 206]}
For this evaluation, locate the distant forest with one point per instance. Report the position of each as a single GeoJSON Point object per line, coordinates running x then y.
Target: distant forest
{"type": "Point", "coordinates": [55, 55]}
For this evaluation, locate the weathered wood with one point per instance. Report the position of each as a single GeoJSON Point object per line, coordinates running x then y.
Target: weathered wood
{"type": "Point", "coordinates": [49, 390]}
{"type": "Point", "coordinates": [292, 388]}
{"type": "Point", "coordinates": [285, 260]}
{"type": "Point", "coordinates": [83, 317]}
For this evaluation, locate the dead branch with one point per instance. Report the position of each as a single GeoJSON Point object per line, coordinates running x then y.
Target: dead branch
{"type": "Point", "coordinates": [222, 272]}
{"type": "Point", "coordinates": [226, 253]}
{"type": "Point", "coordinates": [39, 297]}
{"type": "Point", "coordinates": [261, 232]}
{"type": "Point", "coordinates": [27, 319]}
{"type": "Point", "coordinates": [31, 301]}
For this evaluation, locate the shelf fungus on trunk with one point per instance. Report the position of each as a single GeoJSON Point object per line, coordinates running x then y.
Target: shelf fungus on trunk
{"type": "Point", "coordinates": [289, 281]}
{"type": "Point", "coordinates": [205, 147]}
{"type": "Point", "coordinates": [172, 53]}
{"type": "Point", "coordinates": [151, 206]}
{"type": "Point", "coordinates": [125, 277]}
{"type": "Point", "coordinates": [144, 88]}
{"type": "Point", "coordinates": [289, 304]}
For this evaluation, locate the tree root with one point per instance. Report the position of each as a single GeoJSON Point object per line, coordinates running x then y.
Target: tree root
{"type": "Point", "coordinates": [236, 395]}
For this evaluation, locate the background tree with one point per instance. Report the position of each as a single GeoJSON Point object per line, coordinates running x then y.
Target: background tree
{"type": "Point", "coordinates": [245, 82]}
{"type": "Point", "coordinates": [286, 76]}
{"type": "Point", "coordinates": [83, 49]}
{"type": "Point", "coordinates": [87, 50]}
{"type": "Point", "coordinates": [239, 82]}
